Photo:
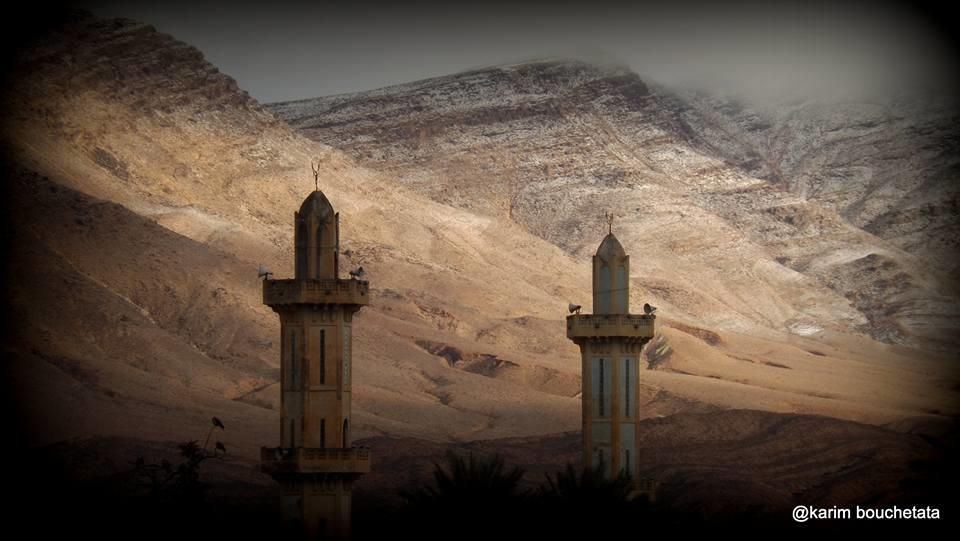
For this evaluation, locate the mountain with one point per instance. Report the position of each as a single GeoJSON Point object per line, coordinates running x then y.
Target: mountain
{"type": "Point", "coordinates": [793, 219]}
{"type": "Point", "coordinates": [144, 188]}
{"type": "Point", "coordinates": [889, 168]}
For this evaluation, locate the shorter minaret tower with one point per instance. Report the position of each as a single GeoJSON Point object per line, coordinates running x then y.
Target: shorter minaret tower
{"type": "Point", "coordinates": [610, 341]}
{"type": "Point", "coordinates": [316, 463]}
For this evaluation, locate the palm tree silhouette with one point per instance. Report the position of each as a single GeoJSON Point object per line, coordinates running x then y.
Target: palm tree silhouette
{"type": "Point", "coordinates": [479, 493]}
{"type": "Point", "coordinates": [585, 501]}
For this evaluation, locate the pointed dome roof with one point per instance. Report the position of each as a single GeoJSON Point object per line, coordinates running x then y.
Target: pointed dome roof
{"type": "Point", "coordinates": [610, 248]}
{"type": "Point", "coordinates": [318, 204]}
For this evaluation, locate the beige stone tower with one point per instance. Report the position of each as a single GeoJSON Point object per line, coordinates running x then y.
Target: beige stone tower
{"type": "Point", "coordinates": [315, 462]}
{"type": "Point", "coordinates": [610, 341]}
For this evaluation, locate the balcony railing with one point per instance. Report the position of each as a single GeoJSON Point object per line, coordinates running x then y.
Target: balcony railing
{"type": "Point", "coordinates": [314, 460]}
{"type": "Point", "coordinates": [279, 292]}
{"type": "Point", "coordinates": [610, 325]}
{"type": "Point", "coordinates": [646, 486]}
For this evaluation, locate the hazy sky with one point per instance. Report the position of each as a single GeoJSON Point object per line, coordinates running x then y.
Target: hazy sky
{"type": "Point", "coordinates": [782, 50]}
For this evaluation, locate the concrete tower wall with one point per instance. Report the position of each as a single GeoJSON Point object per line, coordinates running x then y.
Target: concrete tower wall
{"type": "Point", "coordinates": [611, 408]}
{"type": "Point", "coordinates": [316, 375]}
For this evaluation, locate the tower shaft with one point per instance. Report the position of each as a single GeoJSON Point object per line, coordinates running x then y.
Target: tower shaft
{"type": "Point", "coordinates": [610, 348]}
{"type": "Point", "coordinates": [316, 463]}
{"type": "Point", "coordinates": [610, 342]}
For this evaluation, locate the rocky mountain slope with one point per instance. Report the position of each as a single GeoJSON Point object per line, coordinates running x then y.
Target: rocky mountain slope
{"type": "Point", "coordinates": [145, 188]}
{"type": "Point", "coordinates": [889, 168]}
{"type": "Point", "coordinates": [153, 187]}
{"type": "Point", "coordinates": [719, 206]}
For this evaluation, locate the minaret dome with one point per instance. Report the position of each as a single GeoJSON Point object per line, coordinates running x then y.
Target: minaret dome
{"type": "Point", "coordinates": [317, 239]}
{"type": "Point", "coordinates": [611, 272]}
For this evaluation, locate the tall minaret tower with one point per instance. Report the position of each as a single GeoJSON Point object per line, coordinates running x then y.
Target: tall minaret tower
{"type": "Point", "coordinates": [315, 462]}
{"type": "Point", "coordinates": [610, 341]}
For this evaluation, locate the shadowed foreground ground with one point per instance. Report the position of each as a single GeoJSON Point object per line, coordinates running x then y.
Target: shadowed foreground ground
{"type": "Point", "coordinates": [735, 469]}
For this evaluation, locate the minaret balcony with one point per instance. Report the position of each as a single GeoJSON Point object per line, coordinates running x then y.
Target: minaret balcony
{"type": "Point", "coordinates": [281, 292]}
{"type": "Point", "coordinates": [609, 325]}
{"type": "Point", "coordinates": [314, 460]}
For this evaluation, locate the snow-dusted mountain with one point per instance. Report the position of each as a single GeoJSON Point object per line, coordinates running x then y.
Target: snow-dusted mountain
{"type": "Point", "coordinates": [798, 218]}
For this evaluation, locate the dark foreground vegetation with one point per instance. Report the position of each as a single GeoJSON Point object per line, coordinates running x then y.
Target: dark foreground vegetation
{"type": "Point", "coordinates": [469, 497]}
{"type": "Point", "coordinates": [103, 488]}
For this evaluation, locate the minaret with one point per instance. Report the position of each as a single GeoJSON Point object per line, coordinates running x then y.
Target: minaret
{"type": "Point", "coordinates": [610, 341]}
{"type": "Point", "coordinates": [315, 462]}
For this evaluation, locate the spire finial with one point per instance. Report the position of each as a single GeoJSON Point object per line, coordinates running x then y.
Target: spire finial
{"type": "Point", "coordinates": [609, 216]}
{"type": "Point", "coordinates": [316, 175]}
